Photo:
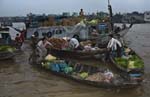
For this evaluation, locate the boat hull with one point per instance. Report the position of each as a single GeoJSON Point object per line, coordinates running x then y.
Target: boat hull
{"type": "Point", "coordinates": [6, 55]}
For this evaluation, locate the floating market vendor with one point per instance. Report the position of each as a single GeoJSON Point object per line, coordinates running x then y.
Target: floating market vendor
{"type": "Point", "coordinates": [34, 41]}
{"type": "Point", "coordinates": [114, 46]}
{"type": "Point", "coordinates": [18, 41]}
{"type": "Point", "coordinates": [74, 43]}
{"type": "Point", "coordinates": [42, 46]}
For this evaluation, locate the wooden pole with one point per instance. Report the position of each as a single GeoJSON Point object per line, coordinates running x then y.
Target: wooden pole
{"type": "Point", "coordinates": [110, 15]}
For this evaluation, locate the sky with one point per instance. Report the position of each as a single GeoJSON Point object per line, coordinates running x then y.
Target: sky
{"type": "Point", "coordinates": [23, 7]}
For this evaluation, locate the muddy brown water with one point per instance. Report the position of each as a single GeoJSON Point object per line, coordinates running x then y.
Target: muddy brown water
{"type": "Point", "coordinates": [20, 79]}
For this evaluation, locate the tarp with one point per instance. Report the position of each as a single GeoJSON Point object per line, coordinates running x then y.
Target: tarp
{"type": "Point", "coordinates": [19, 25]}
{"type": "Point", "coordinates": [13, 33]}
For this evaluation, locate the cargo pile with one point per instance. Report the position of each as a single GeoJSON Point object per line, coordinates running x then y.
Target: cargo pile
{"type": "Point", "coordinates": [62, 44]}
{"type": "Point", "coordinates": [101, 77]}
{"type": "Point", "coordinates": [60, 66]}
{"type": "Point", "coordinates": [58, 43]}
{"type": "Point", "coordinates": [51, 63]}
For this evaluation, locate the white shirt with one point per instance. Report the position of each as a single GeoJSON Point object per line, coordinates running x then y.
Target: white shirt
{"type": "Point", "coordinates": [43, 45]}
{"type": "Point", "coordinates": [113, 44]}
{"type": "Point", "coordinates": [74, 43]}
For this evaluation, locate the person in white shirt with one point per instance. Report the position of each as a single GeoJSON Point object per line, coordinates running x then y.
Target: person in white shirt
{"type": "Point", "coordinates": [73, 43]}
{"type": "Point", "coordinates": [43, 43]}
{"type": "Point", "coordinates": [41, 46]}
{"type": "Point", "coordinates": [114, 45]}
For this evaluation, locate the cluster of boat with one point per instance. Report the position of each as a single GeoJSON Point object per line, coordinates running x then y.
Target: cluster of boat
{"type": "Point", "coordinates": [128, 70]}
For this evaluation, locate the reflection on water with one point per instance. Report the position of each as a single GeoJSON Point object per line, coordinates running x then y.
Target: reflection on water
{"type": "Point", "coordinates": [19, 79]}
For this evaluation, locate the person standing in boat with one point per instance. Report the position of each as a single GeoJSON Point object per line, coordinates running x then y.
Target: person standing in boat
{"type": "Point", "coordinates": [114, 46]}
{"type": "Point", "coordinates": [18, 41]}
{"type": "Point", "coordinates": [22, 34]}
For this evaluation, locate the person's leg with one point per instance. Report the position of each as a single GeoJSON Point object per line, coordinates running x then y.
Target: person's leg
{"type": "Point", "coordinates": [107, 54]}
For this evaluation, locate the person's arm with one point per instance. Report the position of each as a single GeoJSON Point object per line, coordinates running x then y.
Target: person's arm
{"type": "Point", "coordinates": [119, 43]}
{"type": "Point", "coordinates": [39, 43]}
{"type": "Point", "coordinates": [110, 44]}
{"type": "Point", "coordinates": [76, 44]}
{"type": "Point", "coordinates": [48, 43]}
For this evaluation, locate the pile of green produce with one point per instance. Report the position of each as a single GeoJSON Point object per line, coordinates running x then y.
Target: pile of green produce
{"type": "Point", "coordinates": [133, 62]}
{"type": "Point", "coordinates": [122, 62]}
{"type": "Point", "coordinates": [51, 63]}
{"type": "Point", "coordinates": [7, 48]}
{"type": "Point", "coordinates": [138, 63]}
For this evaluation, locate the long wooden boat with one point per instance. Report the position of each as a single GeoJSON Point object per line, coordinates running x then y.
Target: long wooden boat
{"type": "Point", "coordinates": [6, 55]}
{"type": "Point", "coordinates": [78, 54]}
{"type": "Point", "coordinates": [117, 82]}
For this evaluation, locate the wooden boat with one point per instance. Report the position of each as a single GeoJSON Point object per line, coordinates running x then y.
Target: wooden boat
{"type": "Point", "coordinates": [6, 55]}
{"type": "Point", "coordinates": [117, 82]}
{"type": "Point", "coordinates": [78, 54]}
{"type": "Point", "coordinates": [130, 73]}
{"type": "Point", "coordinates": [7, 52]}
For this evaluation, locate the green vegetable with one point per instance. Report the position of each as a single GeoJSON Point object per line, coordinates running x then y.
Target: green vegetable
{"type": "Point", "coordinates": [68, 70]}
{"type": "Point", "coordinates": [122, 62]}
{"type": "Point", "coordinates": [132, 63]}
{"type": "Point", "coordinates": [84, 75]}
{"type": "Point", "coordinates": [7, 48]}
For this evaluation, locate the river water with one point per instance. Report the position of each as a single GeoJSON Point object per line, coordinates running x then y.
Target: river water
{"type": "Point", "coordinates": [20, 79]}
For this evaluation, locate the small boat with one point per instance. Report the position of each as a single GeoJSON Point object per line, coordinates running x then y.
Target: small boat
{"type": "Point", "coordinates": [7, 52]}
{"type": "Point", "coordinates": [6, 55]}
{"type": "Point", "coordinates": [89, 74]}
{"type": "Point", "coordinates": [78, 54]}
{"type": "Point", "coordinates": [129, 70]}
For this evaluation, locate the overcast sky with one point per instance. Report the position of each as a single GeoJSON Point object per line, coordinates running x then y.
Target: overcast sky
{"type": "Point", "coordinates": [22, 7]}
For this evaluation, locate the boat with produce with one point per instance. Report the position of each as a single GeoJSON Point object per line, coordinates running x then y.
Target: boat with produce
{"type": "Point", "coordinates": [6, 52]}
{"type": "Point", "coordinates": [61, 49]}
{"type": "Point", "coordinates": [7, 49]}
{"type": "Point", "coordinates": [78, 54]}
{"type": "Point", "coordinates": [93, 75]}
{"type": "Point", "coordinates": [130, 64]}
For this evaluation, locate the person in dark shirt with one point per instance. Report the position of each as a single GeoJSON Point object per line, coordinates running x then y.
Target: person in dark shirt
{"type": "Point", "coordinates": [22, 36]}
{"type": "Point", "coordinates": [18, 41]}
